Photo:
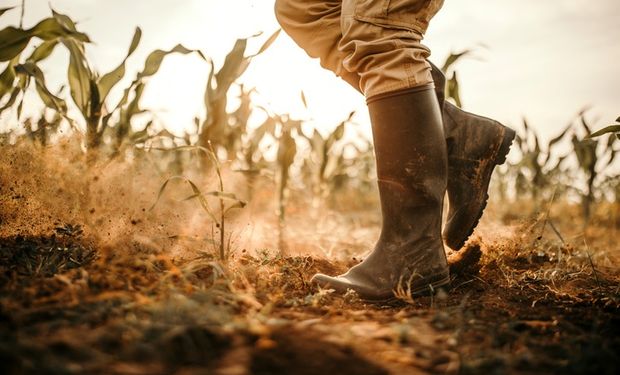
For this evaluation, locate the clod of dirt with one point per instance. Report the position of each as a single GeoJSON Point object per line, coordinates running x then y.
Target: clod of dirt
{"type": "Point", "coordinates": [466, 261]}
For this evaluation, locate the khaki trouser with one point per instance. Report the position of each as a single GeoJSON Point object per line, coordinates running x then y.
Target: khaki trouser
{"type": "Point", "coordinates": [375, 45]}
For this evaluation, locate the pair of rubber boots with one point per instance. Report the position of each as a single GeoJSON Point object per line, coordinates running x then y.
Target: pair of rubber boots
{"type": "Point", "coordinates": [423, 147]}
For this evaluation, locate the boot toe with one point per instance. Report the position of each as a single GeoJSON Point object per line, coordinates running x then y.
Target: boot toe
{"type": "Point", "coordinates": [341, 284]}
{"type": "Point", "coordinates": [337, 283]}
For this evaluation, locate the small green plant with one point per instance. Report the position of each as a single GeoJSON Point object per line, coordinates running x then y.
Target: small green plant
{"type": "Point", "coordinates": [226, 201]}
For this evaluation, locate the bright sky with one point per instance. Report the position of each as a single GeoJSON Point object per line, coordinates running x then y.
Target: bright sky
{"type": "Point", "coordinates": [544, 59]}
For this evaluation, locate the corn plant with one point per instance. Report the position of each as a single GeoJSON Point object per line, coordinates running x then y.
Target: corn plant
{"type": "Point", "coordinates": [326, 162]}
{"type": "Point", "coordinates": [251, 156]}
{"type": "Point", "coordinates": [593, 156]}
{"type": "Point", "coordinates": [19, 73]}
{"type": "Point", "coordinates": [452, 89]}
{"type": "Point", "coordinates": [535, 172]}
{"type": "Point", "coordinates": [226, 201]}
{"type": "Point", "coordinates": [218, 127]}
{"type": "Point", "coordinates": [90, 90]}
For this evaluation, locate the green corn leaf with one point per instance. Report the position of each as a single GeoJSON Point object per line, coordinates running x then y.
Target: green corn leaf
{"type": "Point", "coordinates": [287, 149]}
{"type": "Point", "coordinates": [453, 58]}
{"type": "Point", "coordinates": [585, 125]}
{"type": "Point", "coordinates": [66, 22]}
{"type": "Point", "coordinates": [160, 193]}
{"type": "Point", "coordinates": [49, 99]}
{"type": "Point", "coordinates": [110, 79]}
{"type": "Point", "coordinates": [339, 132]}
{"type": "Point", "coordinates": [79, 75]}
{"type": "Point", "coordinates": [232, 65]}
{"type": "Point", "coordinates": [154, 60]}
{"type": "Point", "coordinates": [209, 91]}
{"type": "Point", "coordinates": [14, 95]}
{"type": "Point", "coordinates": [197, 194]}
{"type": "Point", "coordinates": [237, 204]}
{"type": "Point", "coordinates": [4, 10]}
{"type": "Point", "coordinates": [133, 108]}
{"type": "Point", "coordinates": [202, 200]}
{"type": "Point", "coordinates": [526, 126]}
{"type": "Point", "coordinates": [7, 77]}
{"type": "Point", "coordinates": [606, 130]}
{"type": "Point", "coordinates": [559, 137]}
{"type": "Point", "coordinates": [225, 196]}
{"type": "Point", "coordinates": [13, 40]}
{"type": "Point", "coordinates": [453, 90]}
{"type": "Point", "coordinates": [43, 51]}
{"type": "Point", "coordinates": [555, 140]}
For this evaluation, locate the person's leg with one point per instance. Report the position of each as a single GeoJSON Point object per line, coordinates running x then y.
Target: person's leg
{"type": "Point", "coordinates": [384, 49]}
{"type": "Point", "coordinates": [475, 144]}
{"type": "Point", "coordinates": [315, 26]}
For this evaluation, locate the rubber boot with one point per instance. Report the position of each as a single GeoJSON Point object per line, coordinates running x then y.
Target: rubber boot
{"type": "Point", "coordinates": [476, 145]}
{"type": "Point", "coordinates": [411, 159]}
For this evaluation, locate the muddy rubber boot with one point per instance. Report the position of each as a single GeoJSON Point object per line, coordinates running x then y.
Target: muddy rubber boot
{"type": "Point", "coordinates": [411, 159]}
{"type": "Point", "coordinates": [476, 145]}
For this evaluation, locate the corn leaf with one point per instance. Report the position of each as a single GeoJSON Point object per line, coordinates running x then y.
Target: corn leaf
{"type": "Point", "coordinates": [237, 204]}
{"type": "Point", "coordinates": [225, 196]}
{"type": "Point", "coordinates": [453, 58]}
{"type": "Point", "coordinates": [13, 40]}
{"type": "Point", "coordinates": [4, 10]}
{"type": "Point", "coordinates": [453, 90]}
{"type": "Point", "coordinates": [49, 99]}
{"type": "Point", "coordinates": [7, 77]}
{"type": "Point", "coordinates": [14, 94]}
{"type": "Point", "coordinates": [209, 91]}
{"type": "Point", "coordinates": [606, 130]}
{"type": "Point", "coordinates": [197, 194]}
{"type": "Point", "coordinates": [110, 79]}
{"type": "Point", "coordinates": [43, 51]}
{"type": "Point", "coordinates": [233, 64]}
{"type": "Point", "coordinates": [79, 76]}
{"type": "Point", "coordinates": [559, 137]}
{"type": "Point", "coordinates": [268, 42]}
{"type": "Point", "coordinates": [66, 22]}
{"type": "Point", "coordinates": [154, 60]}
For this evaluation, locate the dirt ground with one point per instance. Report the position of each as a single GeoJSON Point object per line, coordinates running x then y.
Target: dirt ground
{"type": "Point", "coordinates": [530, 294]}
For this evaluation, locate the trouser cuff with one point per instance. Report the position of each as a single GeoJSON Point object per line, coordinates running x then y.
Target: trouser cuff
{"type": "Point", "coordinates": [409, 90]}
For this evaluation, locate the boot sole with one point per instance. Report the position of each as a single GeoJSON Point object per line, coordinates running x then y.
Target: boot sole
{"type": "Point", "coordinates": [500, 158]}
{"type": "Point", "coordinates": [425, 290]}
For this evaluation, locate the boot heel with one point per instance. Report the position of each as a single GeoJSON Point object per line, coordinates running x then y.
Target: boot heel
{"type": "Point", "coordinates": [504, 149]}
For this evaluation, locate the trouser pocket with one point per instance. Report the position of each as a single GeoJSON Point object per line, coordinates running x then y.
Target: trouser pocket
{"type": "Point", "coordinates": [413, 15]}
